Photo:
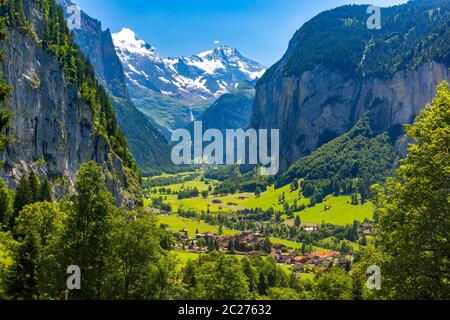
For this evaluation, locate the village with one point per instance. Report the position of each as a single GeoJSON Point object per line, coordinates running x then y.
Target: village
{"type": "Point", "coordinates": [253, 244]}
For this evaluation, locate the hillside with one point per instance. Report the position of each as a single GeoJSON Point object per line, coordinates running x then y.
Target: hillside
{"type": "Point", "coordinates": [232, 110]}
{"type": "Point", "coordinates": [336, 70]}
{"type": "Point", "coordinates": [349, 164]}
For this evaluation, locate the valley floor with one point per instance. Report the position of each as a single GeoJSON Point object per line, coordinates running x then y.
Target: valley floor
{"type": "Point", "coordinates": [205, 215]}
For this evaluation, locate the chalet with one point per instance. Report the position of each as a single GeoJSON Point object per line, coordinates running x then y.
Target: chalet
{"type": "Point", "coordinates": [367, 229]}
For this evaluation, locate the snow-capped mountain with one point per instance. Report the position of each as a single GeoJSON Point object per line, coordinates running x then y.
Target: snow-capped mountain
{"type": "Point", "coordinates": [200, 77]}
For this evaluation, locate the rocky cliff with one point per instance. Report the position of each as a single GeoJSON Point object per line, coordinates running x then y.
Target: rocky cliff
{"type": "Point", "coordinates": [60, 117]}
{"type": "Point", "coordinates": [336, 70]}
{"type": "Point", "coordinates": [150, 149]}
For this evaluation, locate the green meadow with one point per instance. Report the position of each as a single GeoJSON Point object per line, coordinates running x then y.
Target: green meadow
{"type": "Point", "coordinates": [176, 223]}
{"type": "Point", "coordinates": [341, 212]}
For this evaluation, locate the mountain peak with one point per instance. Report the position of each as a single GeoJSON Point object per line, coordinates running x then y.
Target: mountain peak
{"type": "Point", "coordinates": [126, 41]}
{"type": "Point", "coordinates": [200, 77]}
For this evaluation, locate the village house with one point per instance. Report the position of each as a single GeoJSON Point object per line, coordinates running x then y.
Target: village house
{"type": "Point", "coordinates": [367, 229]}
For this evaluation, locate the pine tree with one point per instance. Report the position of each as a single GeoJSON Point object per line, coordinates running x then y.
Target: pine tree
{"type": "Point", "coordinates": [22, 198]}
{"type": "Point", "coordinates": [5, 205]}
{"type": "Point", "coordinates": [23, 278]}
{"type": "Point", "coordinates": [267, 246]}
{"type": "Point", "coordinates": [262, 284]}
{"type": "Point", "coordinates": [297, 221]}
{"type": "Point", "coordinates": [46, 193]}
{"type": "Point", "coordinates": [35, 185]}
{"type": "Point", "coordinates": [231, 246]}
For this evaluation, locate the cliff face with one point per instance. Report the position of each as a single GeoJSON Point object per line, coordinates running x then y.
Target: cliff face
{"type": "Point", "coordinates": [314, 98]}
{"type": "Point", "coordinates": [321, 105]}
{"type": "Point", "coordinates": [52, 131]}
{"type": "Point", "coordinates": [150, 149]}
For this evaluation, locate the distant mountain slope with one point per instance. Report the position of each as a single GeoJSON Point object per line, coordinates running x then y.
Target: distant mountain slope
{"type": "Point", "coordinates": [336, 69]}
{"type": "Point", "coordinates": [232, 110]}
{"type": "Point", "coordinates": [173, 90]}
{"type": "Point", "coordinates": [62, 117]}
{"type": "Point", "coordinates": [149, 147]}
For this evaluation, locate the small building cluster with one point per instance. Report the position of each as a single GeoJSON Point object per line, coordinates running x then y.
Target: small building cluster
{"type": "Point", "coordinates": [315, 261]}
{"type": "Point", "coordinates": [251, 243]}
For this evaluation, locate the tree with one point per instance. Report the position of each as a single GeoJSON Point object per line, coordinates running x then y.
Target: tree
{"type": "Point", "coordinates": [217, 277]}
{"type": "Point", "coordinates": [44, 222]}
{"type": "Point", "coordinates": [262, 284]}
{"type": "Point", "coordinates": [46, 193]}
{"type": "Point", "coordinates": [303, 248]}
{"type": "Point", "coordinates": [135, 257]}
{"type": "Point", "coordinates": [258, 192]}
{"type": "Point", "coordinates": [283, 294]}
{"type": "Point", "coordinates": [231, 246]}
{"type": "Point", "coordinates": [35, 187]}
{"type": "Point", "coordinates": [22, 197]}
{"type": "Point", "coordinates": [5, 204]}
{"type": "Point", "coordinates": [414, 213]}
{"type": "Point", "coordinates": [297, 221]}
{"type": "Point", "coordinates": [333, 285]}
{"type": "Point", "coordinates": [44, 219]}
{"type": "Point", "coordinates": [86, 242]}
{"type": "Point", "coordinates": [267, 246]}
{"type": "Point", "coordinates": [23, 278]}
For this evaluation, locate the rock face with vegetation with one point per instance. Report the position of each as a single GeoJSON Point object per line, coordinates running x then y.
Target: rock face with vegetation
{"type": "Point", "coordinates": [336, 70]}
{"type": "Point", "coordinates": [62, 117]}
{"type": "Point", "coordinates": [149, 148]}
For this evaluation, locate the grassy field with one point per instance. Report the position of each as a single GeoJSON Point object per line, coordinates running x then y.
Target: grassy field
{"type": "Point", "coordinates": [232, 203]}
{"type": "Point", "coordinates": [200, 185]}
{"type": "Point", "coordinates": [270, 198]}
{"type": "Point", "coordinates": [184, 257]}
{"type": "Point", "coordinates": [342, 212]}
{"type": "Point", "coordinates": [177, 223]}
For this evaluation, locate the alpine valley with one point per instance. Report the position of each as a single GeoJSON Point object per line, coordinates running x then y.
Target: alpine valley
{"type": "Point", "coordinates": [93, 208]}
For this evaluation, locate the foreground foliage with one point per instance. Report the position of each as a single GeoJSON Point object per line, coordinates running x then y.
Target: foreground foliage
{"type": "Point", "coordinates": [413, 241]}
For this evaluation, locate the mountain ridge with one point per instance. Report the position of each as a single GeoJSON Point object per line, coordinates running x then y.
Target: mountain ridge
{"type": "Point", "coordinates": [172, 91]}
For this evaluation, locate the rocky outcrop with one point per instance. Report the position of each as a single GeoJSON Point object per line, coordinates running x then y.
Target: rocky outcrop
{"type": "Point", "coordinates": [314, 103]}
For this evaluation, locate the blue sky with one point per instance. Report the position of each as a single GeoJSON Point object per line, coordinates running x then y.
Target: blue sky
{"type": "Point", "coordinates": [260, 29]}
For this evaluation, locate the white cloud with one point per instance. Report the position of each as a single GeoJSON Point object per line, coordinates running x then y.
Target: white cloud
{"type": "Point", "coordinates": [216, 41]}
